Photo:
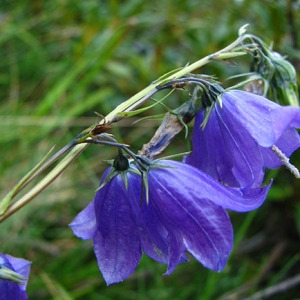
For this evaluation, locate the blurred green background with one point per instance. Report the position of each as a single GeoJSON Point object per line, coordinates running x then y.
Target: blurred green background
{"type": "Point", "coordinates": [61, 61]}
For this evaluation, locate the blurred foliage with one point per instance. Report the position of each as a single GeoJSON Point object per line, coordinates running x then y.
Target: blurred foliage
{"type": "Point", "coordinates": [63, 60]}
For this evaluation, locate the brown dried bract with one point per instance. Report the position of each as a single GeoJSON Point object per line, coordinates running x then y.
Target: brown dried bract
{"type": "Point", "coordinates": [101, 128]}
{"type": "Point", "coordinates": [169, 128]}
{"type": "Point", "coordinates": [179, 85]}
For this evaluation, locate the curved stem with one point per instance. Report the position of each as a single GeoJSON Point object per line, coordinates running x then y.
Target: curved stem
{"type": "Point", "coordinates": [46, 181]}
{"type": "Point", "coordinates": [128, 105]}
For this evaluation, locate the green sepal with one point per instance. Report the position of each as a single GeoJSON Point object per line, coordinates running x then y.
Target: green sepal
{"type": "Point", "coordinates": [166, 77]}
{"type": "Point", "coordinates": [254, 83]}
{"type": "Point", "coordinates": [144, 165]}
{"type": "Point", "coordinates": [154, 117]}
{"type": "Point", "coordinates": [210, 97]}
{"type": "Point", "coordinates": [125, 179]}
{"type": "Point", "coordinates": [120, 165]}
{"type": "Point", "coordinates": [112, 173]}
{"type": "Point", "coordinates": [207, 113]}
{"type": "Point", "coordinates": [8, 274]}
{"type": "Point", "coordinates": [138, 111]}
{"type": "Point", "coordinates": [284, 80]}
{"type": "Point", "coordinates": [145, 185]}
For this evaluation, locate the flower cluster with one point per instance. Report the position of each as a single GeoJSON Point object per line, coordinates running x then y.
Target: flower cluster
{"type": "Point", "coordinates": [165, 208]}
{"type": "Point", "coordinates": [185, 212]}
{"type": "Point", "coordinates": [14, 274]}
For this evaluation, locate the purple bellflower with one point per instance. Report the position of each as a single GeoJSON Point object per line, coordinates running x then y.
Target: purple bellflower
{"type": "Point", "coordinates": [183, 211]}
{"type": "Point", "coordinates": [14, 274]}
{"type": "Point", "coordinates": [244, 135]}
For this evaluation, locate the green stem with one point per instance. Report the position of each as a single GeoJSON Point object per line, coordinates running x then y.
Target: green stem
{"type": "Point", "coordinates": [47, 180]}
{"type": "Point", "coordinates": [130, 104]}
{"type": "Point", "coordinates": [143, 95]}
{"type": "Point", "coordinates": [18, 187]}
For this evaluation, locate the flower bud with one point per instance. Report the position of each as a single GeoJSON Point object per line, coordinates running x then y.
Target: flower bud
{"type": "Point", "coordinates": [121, 162]}
{"type": "Point", "coordinates": [278, 75]}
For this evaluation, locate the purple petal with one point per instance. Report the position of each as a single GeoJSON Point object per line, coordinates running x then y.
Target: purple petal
{"type": "Point", "coordinates": [21, 266]}
{"type": "Point", "coordinates": [176, 245]}
{"type": "Point", "coordinates": [206, 154]}
{"type": "Point", "coordinates": [154, 236]}
{"type": "Point", "coordinates": [287, 143]}
{"type": "Point", "coordinates": [241, 149]}
{"type": "Point", "coordinates": [284, 117]}
{"type": "Point", "coordinates": [214, 248]}
{"type": "Point", "coordinates": [225, 151]}
{"type": "Point", "coordinates": [252, 112]}
{"type": "Point", "coordinates": [198, 184]}
{"type": "Point", "coordinates": [84, 225]}
{"type": "Point", "coordinates": [203, 227]}
{"type": "Point", "coordinates": [234, 147]}
{"type": "Point", "coordinates": [263, 119]}
{"type": "Point", "coordinates": [11, 290]}
{"type": "Point", "coordinates": [117, 245]}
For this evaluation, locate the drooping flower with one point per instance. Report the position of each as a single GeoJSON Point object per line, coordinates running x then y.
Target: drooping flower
{"type": "Point", "coordinates": [244, 136]}
{"type": "Point", "coordinates": [14, 274]}
{"type": "Point", "coordinates": [184, 211]}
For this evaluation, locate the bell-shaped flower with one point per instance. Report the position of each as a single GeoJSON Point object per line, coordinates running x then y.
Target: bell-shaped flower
{"type": "Point", "coordinates": [180, 209]}
{"type": "Point", "coordinates": [242, 137]}
{"type": "Point", "coordinates": [14, 274]}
